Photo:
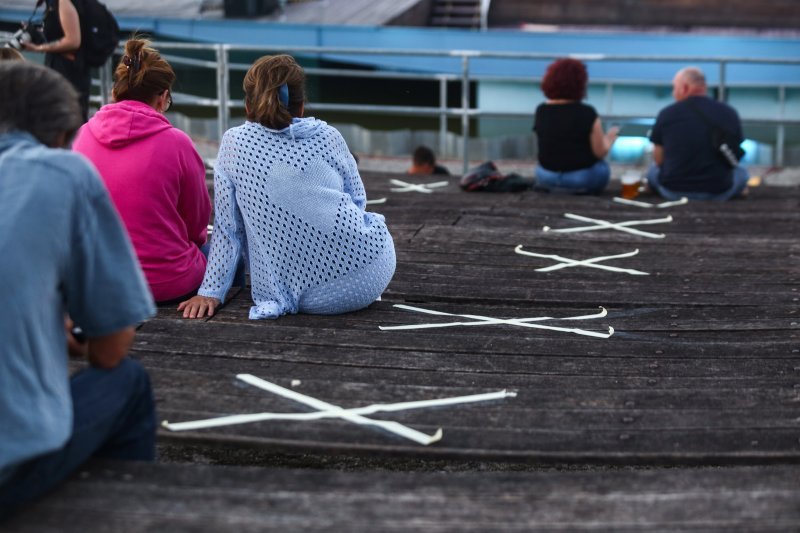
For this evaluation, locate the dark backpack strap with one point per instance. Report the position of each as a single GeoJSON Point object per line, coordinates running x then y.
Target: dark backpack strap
{"type": "Point", "coordinates": [707, 119]}
{"type": "Point", "coordinates": [722, 140]}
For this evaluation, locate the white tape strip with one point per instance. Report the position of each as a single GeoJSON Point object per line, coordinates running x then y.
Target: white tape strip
{"type": "Point", "coordinates": [567, 262]}
{"type": "Point", "coordinates": [605, 224]}
{"type": "Point", "coordinates": [489, 321]}
{"type": "Point", "coordinates": [388, 425]}
{"type": "Point", "coordinates": [378, 201]}
{"type": "Point", "coordinates": [403, 186]}
{"type": "Point", "coordinates": [317, 415]}
{"type": "Point", "coordinates": [662, 205]}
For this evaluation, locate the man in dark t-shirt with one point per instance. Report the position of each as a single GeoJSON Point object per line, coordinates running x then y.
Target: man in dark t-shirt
{"type": "Point", "coordinates": [686, 161]}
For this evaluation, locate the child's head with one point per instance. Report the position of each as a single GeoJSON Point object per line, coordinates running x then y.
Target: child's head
{"type": "Point", "coordinates": [274, 91]}
{"type": "Point", "coordinates": [142, 74]}
{"type": "Point", "coordinates": [423, 161]}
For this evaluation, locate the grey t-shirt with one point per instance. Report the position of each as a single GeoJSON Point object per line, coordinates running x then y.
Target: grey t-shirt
{"type": "Point", "coordinates": [64, 251]}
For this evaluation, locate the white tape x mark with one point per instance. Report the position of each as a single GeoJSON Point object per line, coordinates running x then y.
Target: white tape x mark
{"type": "Point", "coordinates": [566, 262]}
{"type": "Point", "coordinates": [477, 320]}
{"type": "Point", "coordinates": [402, 186]}
{"type": "Point", "coordinates": [662, 205]}
{"type": "Point", "coordinates": [327, 410]}
{"type": "Point", "coordinates": [619, 226]}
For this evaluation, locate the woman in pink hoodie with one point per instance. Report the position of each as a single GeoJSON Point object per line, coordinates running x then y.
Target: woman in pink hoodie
{"type": "Point", "coordinates": [153, 172]}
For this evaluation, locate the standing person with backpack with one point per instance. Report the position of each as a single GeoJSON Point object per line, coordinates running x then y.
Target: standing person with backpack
{"type": "Point", "coordinates": [62, 30]}
{"type": "Point", "coordinates": [80, 34]}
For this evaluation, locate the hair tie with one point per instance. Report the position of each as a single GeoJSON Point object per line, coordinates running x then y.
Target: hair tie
{"type": "Point", "coordinates": [133, 64]}
{"type": "Point", "coordinates": [283, 95]}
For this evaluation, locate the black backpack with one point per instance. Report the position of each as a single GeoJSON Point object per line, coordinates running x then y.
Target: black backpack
{"type": "Point", "coordinates": [99, 32]}
{"type": "Point", "coordinates": [487, 178]}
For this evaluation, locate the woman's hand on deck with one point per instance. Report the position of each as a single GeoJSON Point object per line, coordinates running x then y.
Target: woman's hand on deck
{"type": "Point", "coordinates": [198, 306]}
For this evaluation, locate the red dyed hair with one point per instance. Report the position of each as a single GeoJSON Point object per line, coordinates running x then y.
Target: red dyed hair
{"type": "Point", "coordinates": [565, 79]}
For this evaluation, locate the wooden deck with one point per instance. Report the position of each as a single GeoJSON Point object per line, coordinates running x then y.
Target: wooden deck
{"type": "Point", "coordinates": [146, 498]}
{"type": "Point", "coordinates": [702, 370]}
{"type": "Point", "coordinates": [703, 366]}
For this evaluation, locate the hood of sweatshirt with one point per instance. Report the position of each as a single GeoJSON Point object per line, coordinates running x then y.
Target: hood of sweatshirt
{"type": "Point", "coordinates": [121, 123]}
{"type": "Point", "coordinates": [302, 128]}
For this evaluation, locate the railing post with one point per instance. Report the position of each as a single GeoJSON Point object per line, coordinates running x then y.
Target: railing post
{"type": "Point", "coordinates": [465, 110]}
{"type": "Point", "coordinates": [105, 81]}
{"type": "Point", "coordinates": [721, 95]}
{"type": "Point", "coordinates": [442, 115]}
{"type": "Point", "coordinates": [780, 134]}
{"type": "Point", "coordinates": [223, 87]}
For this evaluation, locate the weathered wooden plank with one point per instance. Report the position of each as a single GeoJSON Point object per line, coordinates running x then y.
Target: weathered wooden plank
{"type": "Point", "coordinates": [219, 337]}
{"type": "Point", "coordinates": [704, 363]}
{"type": "Point", "coordinates": [209, 498]}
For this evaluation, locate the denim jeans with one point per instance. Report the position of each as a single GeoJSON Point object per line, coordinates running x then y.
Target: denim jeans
{"type": "Point", "coordinates": [740, 178]}
{"type": "Point", "coordinates": [113, 417]}
{"type": "Point", "coordinates": [592, 180]}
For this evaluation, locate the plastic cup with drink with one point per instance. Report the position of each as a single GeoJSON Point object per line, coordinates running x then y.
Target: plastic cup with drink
{"type": "Point", "coordinates": [631, 181]}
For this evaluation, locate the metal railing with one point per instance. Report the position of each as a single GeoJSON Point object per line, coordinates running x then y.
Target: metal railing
{"type": "Point", "coordinates": [223, 66]}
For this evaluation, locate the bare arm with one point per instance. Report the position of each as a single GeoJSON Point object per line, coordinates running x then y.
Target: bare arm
{"type": "Point", "coordinates": [602, 142]}
{"type": "Point", "coordinates": [71, 25]}
{"type": "Point", "coordinates": [658, 154]}
{"type": "Point", "coordinates": [109, 350]}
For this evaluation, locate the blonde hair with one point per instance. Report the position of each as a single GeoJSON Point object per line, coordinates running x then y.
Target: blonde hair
{"type": "Point", "coordinates": [261, 91]}
{"type": "Point", "coordinates": [142, 73]}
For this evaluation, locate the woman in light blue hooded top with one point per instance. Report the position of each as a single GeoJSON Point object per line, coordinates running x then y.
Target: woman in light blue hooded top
{"type": "Point", "coordinates": [289, 197]}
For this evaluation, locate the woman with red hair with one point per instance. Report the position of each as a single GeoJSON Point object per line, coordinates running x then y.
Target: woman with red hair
{"type": "Point", "coordinates": [570, 137]}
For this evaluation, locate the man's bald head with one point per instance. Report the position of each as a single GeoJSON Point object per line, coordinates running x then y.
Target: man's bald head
{"type": "Point", "coordinates": [689, 81]}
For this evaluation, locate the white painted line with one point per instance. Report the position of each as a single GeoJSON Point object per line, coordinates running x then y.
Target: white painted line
{"type": "Point", "coordinates": [662, 205]}
{"type": "Point", "coordinates": [566, 262]}
{"type": "Point", "coordinates": [388, 425]}
{"type": "Point", "coordinates": [619, 226]}
{"type": "Point", "coordinates": [318, 415]}
{"type": "Point", "coordinates": [478, 320]}
{"type": "Point", "coordinates": [402, 186]}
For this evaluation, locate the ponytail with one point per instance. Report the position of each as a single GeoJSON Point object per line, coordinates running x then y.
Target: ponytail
{"type": "Point", "coordinates": [142, 73]}
{"type": "Point", "coordinates": [274, 89]}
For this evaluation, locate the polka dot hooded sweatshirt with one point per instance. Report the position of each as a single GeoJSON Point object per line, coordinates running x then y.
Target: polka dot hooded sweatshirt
{"type": "Point", "coordinates": [292, 202]}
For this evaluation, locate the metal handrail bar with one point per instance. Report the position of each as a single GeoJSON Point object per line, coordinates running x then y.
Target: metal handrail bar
{"type": "Point", "coordinates": [179, 60]}
{"type": "Point", "coordinates": [474, 54]}
{"type": "Point", "coordinates": [221, 63]}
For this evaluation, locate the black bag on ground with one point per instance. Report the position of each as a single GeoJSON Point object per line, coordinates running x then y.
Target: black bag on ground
{"type": "Point", "coordinates": [99, 32]}
{"type": "Point", "coordinates": [486, 177]}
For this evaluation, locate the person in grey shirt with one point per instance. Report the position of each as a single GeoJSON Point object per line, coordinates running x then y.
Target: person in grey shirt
{"type": "Point", "coordinates": [66, 257]}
